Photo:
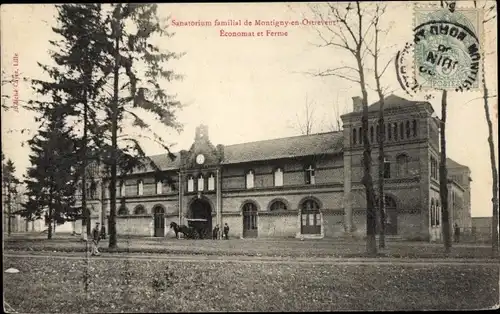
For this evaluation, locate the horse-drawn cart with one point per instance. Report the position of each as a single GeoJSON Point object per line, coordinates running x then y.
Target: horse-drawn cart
{"type": "Point", "coordinates": [201, 227]}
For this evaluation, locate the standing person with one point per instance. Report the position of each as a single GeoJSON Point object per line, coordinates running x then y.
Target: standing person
{"type": "Point", "coordinates": [226, 231]}
{"type": "Point", "coordinates": [96, 236]}
{"type": "Point", "coordinates": [457, 233]}
{"type": "Point", "coordinates": [215, 233]}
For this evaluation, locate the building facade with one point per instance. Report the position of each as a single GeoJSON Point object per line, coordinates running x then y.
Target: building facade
{"type": "Point", "coordinates": [301, 186]}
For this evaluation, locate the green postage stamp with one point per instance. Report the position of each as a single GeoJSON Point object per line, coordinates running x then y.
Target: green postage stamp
{"type": "Point", "coordinates": [447, 48]}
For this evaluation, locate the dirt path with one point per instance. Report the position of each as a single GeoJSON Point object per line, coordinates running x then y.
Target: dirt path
{"type": "Point", "coordinates": [258, 259]}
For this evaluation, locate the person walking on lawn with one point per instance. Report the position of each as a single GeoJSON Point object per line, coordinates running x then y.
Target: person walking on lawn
{"type": "Point", "coordinates": [96, 236]}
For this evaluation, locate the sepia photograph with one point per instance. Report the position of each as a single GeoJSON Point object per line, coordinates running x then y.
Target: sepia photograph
{"type": "Point", "coordinates": [250, 157]}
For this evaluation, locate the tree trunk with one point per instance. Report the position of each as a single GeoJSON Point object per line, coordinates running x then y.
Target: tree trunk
{"type": "Point", "coordinates": [9, 209]}
{"type": "Point", "coordinates": [494, 172]}
{"type": "Point", "coordinates": [443, 177]}
{"type": "Point", "coordinates": [49, 232]}
{"type": "Point", "coordinates": [85, 216]}
{"type": "Point", "coordinates": [114, 146]}
{"type": "Point", "coordinates": [371, 242]}
{"type": "Point", "coordinates": [381, 159]}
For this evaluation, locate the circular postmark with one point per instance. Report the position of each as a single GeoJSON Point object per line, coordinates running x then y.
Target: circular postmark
{"type": "Point", "coordinates": [446, 52]}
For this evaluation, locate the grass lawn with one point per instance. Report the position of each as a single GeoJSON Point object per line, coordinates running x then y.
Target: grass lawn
{"type": "Point", "coordinates": [58, 286]}
{"type": "Point", "coordinates": [252, 247]}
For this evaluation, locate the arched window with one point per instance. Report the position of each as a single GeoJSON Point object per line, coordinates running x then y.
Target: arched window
{"type": "Point", "coordinates": [139, 210]}
{"type": "Point", "coordinates": [310, 204]}
{"type": "Point", "coordinates": [401, 131]}
{"type": "Point", "coordinates": [395, 130]}
{"type": "Point", "coordinates": [201, 182]}
{"type": "Point", "coordinates": [408, 130]}
{"type": "Point", "coordinates": [371, 134]}
{"type": "Point", "coordinates": [378, 131]}
{"type": "Point", "coordinates": [250, 179]}
{"type": "Point", "coordinates": [402, 163]}
{"type": "Point", "coordinates": [140, 187]}
{"type": "Point", "coordinates": [361, 139]}
{"type": "Point", "coordinates": [414, 127]}
{"type": "Point", "coordinates": [159, 187]}
{"type": "Point", "coordinates": [122, 210]}
{"type": "Point", "coordinates": [278, 177]}
{"type": "Point", "coordinates": [354, 139]}
{"type": "Point", "coordinates": [278, 205]}
{"type": "Point", "coordinates": [211, 182]}
{"type": "Point", "coordinates": [389, 132]}
{"type": "Point", "coordinates": [190, 184]}
{"type": "Point", "coordinates": [310, 176]}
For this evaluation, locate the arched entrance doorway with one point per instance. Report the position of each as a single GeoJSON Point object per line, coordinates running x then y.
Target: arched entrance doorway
{"type": "Point", "coordinates": [201, 213]}
{"type": "Point", "coordinates": [391, 216]}
{"type": "Point", "coordinates": [310, 217]}
{"type": "Point", "coordinates": [159, 221]}
{"type": "Point", "coordinates": [250, 229]}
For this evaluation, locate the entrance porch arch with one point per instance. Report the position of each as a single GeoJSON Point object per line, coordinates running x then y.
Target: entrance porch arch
{"type": "Point", "coordinates": [200, 210]}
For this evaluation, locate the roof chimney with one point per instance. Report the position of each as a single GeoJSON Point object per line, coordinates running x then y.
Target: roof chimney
{"type": "Point", "coordinates": [357, 104]}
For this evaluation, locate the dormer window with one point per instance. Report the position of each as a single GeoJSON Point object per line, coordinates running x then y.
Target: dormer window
{"type": "Point", "coordinates": [250, 180]}
{"type": "Point", "coordinates": [211, 182]}
{"type": "Point", "coordinates": [190, 184]}
{"type": "Point", "coordinates": [278, 177]}
{"type": "Point", "coordinates": [201, 183]}
{"type": "Point", "coordinates": [310, 177]}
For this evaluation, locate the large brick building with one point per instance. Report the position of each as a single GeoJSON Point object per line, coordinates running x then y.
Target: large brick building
{"type": "Point", "coordinates": [301, 186]}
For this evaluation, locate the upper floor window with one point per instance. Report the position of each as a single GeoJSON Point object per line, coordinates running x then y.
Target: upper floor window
{"type": "Point", "coordinates": [414, 128]}
{"type": "Point", "coordinates": [140, 187]}
{"type": "Point", "coordinates": [354, 139]}
{"type": "Point", "coordinates": [211, 182]}
{"type": "Point", "coordinates": [278, 177]}
{"type": "Point", "coordinates": [387, 168]}
{"type": "Point", "coordinates": [378, 131]}
{"type": "Point", "coordinates": [395, 130]}
{"type": "Point", "coordinates": [401, 130]}
{"type": "Point", "coordinates": [402, 163]}
{"type": "Point", "coordinates": [389, 132]}
{"type": "Point", "coordinates": [122, 188]}
{"type": "Point", "coordinates": [250, 180]}
{"type": "Point", "coordinates": [159, 187]}
{"type": "Point", "coordinates": [371, 134]}
{"type": "Point", "coordinates": [408, 130]}
{"type": "Point", "coordinates": [361, 136]}
{"type": "Point", "coordinates": [190, 184]}
{"type": "Point", "coordinates": [201, 183]}
{"type": "Point", "coordinates": [310, 175]}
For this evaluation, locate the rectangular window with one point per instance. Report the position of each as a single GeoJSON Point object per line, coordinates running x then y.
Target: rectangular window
{"type": "Point", "coordinates": [250, 180]}
{"type": "Point", "coordinates": [211, 183]}
{"type": "Point", "coordinates": [304, 220]}
{"type": "Point", "coordinates": [387, 170]}
{"type": "Point", "coordinates": [201, 184]}
{"type": "Point", "coordinates": [159, 187]}
{"type": "Point", "coordinates": [278, 177]}
{"type": "Point", "coordinates": [190, 185]}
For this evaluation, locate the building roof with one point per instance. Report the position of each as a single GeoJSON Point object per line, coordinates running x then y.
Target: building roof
{"type": "Point", "coordinates": [296, 146]}
{"type": "Point", "coordinates": [450, 163]}
{"type": "Point", "coordinates": [392, 101]}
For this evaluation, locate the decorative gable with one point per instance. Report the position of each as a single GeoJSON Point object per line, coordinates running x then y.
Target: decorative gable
{"type": "Point", "coordinates": [202, 152]}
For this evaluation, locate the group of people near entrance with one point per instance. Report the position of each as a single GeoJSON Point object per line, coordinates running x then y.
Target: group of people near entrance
{"type": "Point", "coordinates": [216, 232]}
{"type": "Point", "coordinates": [97, 236]}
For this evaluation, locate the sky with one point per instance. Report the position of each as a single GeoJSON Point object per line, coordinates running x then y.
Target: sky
{"type": "Point", "coordinates": [254, 88]}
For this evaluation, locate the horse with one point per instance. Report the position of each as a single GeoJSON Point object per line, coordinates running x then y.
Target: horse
{"type": "Point", "coordinates": [189, 233]}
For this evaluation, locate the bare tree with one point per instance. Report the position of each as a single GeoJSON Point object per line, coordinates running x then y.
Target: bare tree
{"type": "Point", "coordinates": [490, 14]}
{"type": "Point", "coordinates": [306, 121]}
{"type": "Point", "coordinates": [349, 34]}
{"type": "Point", "coordinates": [378, 73]}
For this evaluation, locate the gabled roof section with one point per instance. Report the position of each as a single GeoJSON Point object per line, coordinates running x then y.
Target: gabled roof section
{"type": "Point", "coordinates": [296, 146]}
